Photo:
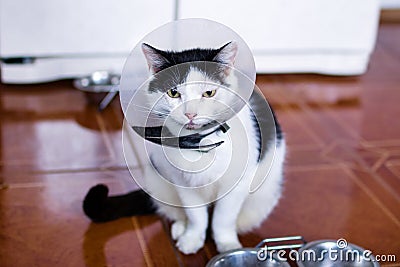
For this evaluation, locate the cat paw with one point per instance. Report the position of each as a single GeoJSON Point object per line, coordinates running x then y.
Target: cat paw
{"type": "Point", "coordinates": [227, 245]}
{"type": "Point", "coordinates": [190, 242]}
{"type": "Point", "coordinates": [177, 229]}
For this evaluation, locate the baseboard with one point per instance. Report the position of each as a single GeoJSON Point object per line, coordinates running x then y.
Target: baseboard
{"type": "Point", "coordinates": [51, 69]}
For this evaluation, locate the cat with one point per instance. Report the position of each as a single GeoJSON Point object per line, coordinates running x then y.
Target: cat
{"type": "Point", "coordinates": [194, 108]}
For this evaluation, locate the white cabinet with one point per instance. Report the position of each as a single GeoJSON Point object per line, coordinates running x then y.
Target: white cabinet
{"type": "Point", "coordinates": [65, 39]}
{"type": "Point", "coordinates": [331, 36]}
{"type": "Point", "coordinates": [390, 4]}
{"type": "Point", "coordinates": [73, 38]}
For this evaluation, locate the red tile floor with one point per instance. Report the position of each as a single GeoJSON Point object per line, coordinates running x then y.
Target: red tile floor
{"type": "Point", "coordinates": [342, 171]}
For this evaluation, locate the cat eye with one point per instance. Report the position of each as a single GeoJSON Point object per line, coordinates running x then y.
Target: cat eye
{"type": "Point", "coordinates": [173, 93]}
{"type": "Point", "coordinates": [209, 93]}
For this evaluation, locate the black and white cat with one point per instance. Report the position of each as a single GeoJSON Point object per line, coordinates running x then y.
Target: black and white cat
{"type": "Point", "coordinates": [193, 107]}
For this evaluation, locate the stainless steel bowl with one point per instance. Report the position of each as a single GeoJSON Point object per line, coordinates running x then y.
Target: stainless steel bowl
{"type": "Point", "coordinates": [244, 257]}
{"type": "Point", "coordinates": [320, 253]}
{"type": "Point", "coordinates": [330, 253]}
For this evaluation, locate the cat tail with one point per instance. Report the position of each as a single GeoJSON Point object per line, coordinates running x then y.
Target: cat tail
{"type": "Point", "coordinates": [100, 207]}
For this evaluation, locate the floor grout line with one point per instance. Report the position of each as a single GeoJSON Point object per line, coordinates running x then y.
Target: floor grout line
{"type": "Point", "coordinates": [105, 137]}
{"type": "Point", "coordinates": [372, 195]}
{"type": "Point", "coordinates": [353, 134]}
{"type": "Point", "coordinates": [172, 242]}
{"type": "Point", "coordinates": [381, 161]}
{"type": "Point", "coordinates": [312, 116]}
{"type": "Point", "coordinates": [64, 171]}
{"type": "Point", "coordinates": [394, 172]}
{"type": "Point", "coordinates": [311, 134]}
{"type": "Point", "coordinates": [26, 185]}
{"type": "Point", "coordinates": [364, 167]}
{"type": "Point", "coordinates": [393, 162]}
{"type": "Point", "coordinates": [319, 167]}
{"type": "Point", "coordinates": [142, 242]}
{"type": "Point", "coordinates": [381, 143]}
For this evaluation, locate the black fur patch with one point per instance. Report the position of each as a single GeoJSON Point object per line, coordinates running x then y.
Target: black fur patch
{"type": "Point", "coordinates": [195, 59]}
{"type": "Point", "coordinates": [265, 132]}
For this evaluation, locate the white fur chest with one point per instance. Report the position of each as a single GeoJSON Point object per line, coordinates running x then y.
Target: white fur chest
{"type": "Point", "coordinates": [193, 168]}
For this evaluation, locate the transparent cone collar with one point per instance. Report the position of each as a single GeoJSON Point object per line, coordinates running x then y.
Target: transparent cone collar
{"type": "Point", "coordinates": [173, 105]}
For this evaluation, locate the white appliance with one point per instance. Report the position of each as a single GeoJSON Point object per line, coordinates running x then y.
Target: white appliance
{"type": "Point", "coordinates": [46, 40]}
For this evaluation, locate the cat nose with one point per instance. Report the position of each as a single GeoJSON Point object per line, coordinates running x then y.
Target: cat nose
{"type": "Point", "coordinates": [190, 115]}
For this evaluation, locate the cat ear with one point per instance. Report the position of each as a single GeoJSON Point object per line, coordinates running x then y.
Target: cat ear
{"type": "Point", "coordinates": [227, 54]}
{"type": "Point", "coordinates": [154, 58]}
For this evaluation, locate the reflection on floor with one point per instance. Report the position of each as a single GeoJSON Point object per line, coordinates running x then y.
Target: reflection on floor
{"type": "Point", "coordinates": [342, 173]}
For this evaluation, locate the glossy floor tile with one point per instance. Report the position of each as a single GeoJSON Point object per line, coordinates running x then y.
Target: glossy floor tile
{"type": "Point", "coordinates": [342, 176]}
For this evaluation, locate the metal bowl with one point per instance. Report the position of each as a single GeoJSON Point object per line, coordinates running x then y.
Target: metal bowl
{"type": "Point", "coordinates": [324, 253]}
{"type": "Point", "coordinates": [244, 257]}
{"type": "Point", "coordinates": [320, 253]}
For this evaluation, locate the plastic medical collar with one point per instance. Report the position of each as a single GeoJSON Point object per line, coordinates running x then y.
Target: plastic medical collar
{"type": "Point", "coordinates": [158, 136]}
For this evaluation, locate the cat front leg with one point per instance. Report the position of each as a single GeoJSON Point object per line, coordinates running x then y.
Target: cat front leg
{"type": "Point", "coordinates": [194, 233]}
{"type": "Point", "coordinates": [224, 219]}
{"type": "Point", "coordinates": [176, 215]}
{"type": "Point", "coordinates": [177, 229]}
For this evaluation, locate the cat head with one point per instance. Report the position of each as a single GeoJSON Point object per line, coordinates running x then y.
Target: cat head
{"type": "Point", "coordinates": [190, 88]}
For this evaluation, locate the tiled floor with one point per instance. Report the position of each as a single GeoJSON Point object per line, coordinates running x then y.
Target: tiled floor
{"type": "Point", "coordinates": [342, 173]}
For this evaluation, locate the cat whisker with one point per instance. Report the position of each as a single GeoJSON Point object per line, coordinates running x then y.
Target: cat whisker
{"type": "Point", "coordinates": [150, 110]}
